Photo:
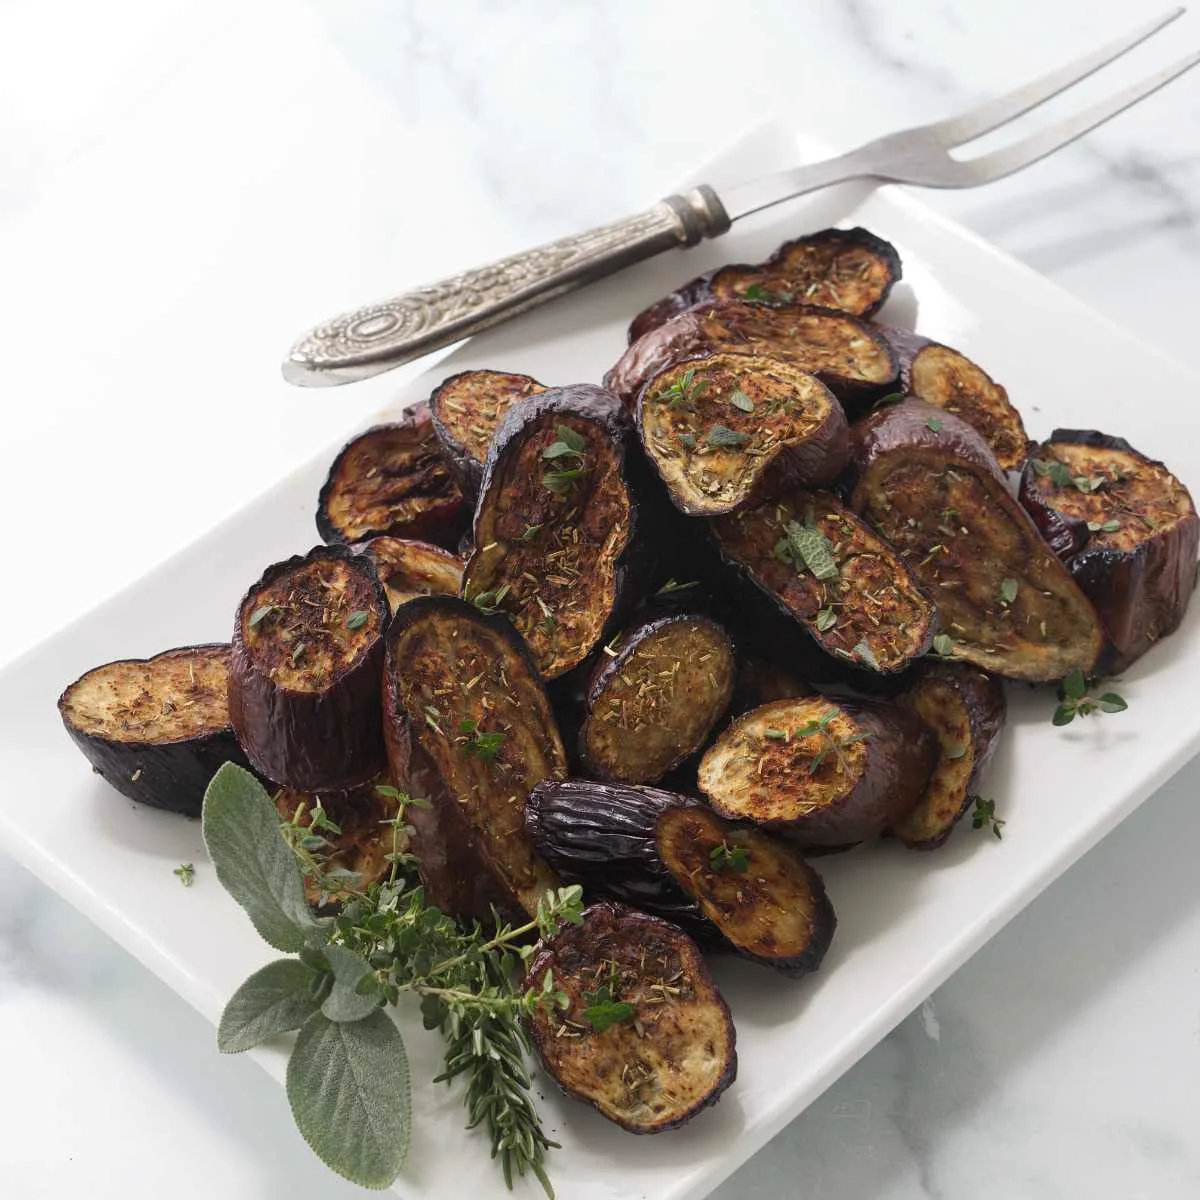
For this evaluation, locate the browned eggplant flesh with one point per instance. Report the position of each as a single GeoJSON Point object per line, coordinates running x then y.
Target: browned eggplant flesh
{"type": "Point", "coordinates": [827, 569]}
{"type": "Point", "coordinates": [304, 687]}
{"type": "Point", "coordinates": [470, 730]}
{"type": "Point", "coordinates": [655, 697]}
{"type": "Point", "coordinates": [1126, 527]}
{"type": "Point", "coordinates": [965, 708]}
{"type": "Point", "coordinates": [395, 480]}
{"type": "Point", "coordinates": [727, 429]}
{"type": "Point", "coordinates": [408, 569]}
{"type": "Point", "coordinates": [647, 1038]}
{"type": "Point", "coordinates": [156, 729]}
{"type": "Point", "coordinates": [928, 483]}
{"type": "Point", "coordinates": [828, 773]}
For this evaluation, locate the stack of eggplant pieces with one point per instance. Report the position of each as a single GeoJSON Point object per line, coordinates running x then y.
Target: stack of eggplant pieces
{"type": "Point", "coordinates": [747, 603]}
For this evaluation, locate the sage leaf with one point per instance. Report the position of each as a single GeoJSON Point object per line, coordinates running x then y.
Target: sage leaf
{"type": "Point", "coordinates": [739, 399]}
{"type": "Point", "coordinates": [253, 862]}
{"type": "Point", "coordinates": [351, 1097]}
{"type": "Point", "coordinates": [344, 1002]}
{"type": "Point", "coordinates": [812, 548]}
{"type": "Point", "coordinates": [722, 435]}
{"type": "Point", "coordinates": [276, 999]}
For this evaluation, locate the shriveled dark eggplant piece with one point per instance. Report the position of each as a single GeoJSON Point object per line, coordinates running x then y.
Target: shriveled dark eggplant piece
{"type": "Point", "coordinates": [853, 594]}
{"type": "Point", "coordinates": [394, 480]}
{"type": "Point", "coordinates": [556, 525]}
{"type": "Point", "coordinates": [928, 482]}
{"type": "Point", "coordinates": [156, 728]}
{"type": "Point", "coordinates": [467, 410]}
{"type": "Point", "coordinates": [408, 569]}
{"type": "Point", "coordinates": [827, 773]}
{"type": "Point", "coordinates": [850, 270]}
{"type": "Point", "coordinates": [1126, 528]}
{"type": "Point", "coordinates": [648, 1040]}
{"type": "Point", "coordinates": [469, 729]}
{"type": "Point", "coordinates": [730, 885]}
{"type": "Point", "coordinates": [727, 430]}
{"type": "Point", "coordinates": [760, 680]}
{"type": "Point", "coordinates": [965, 708]}
{"type": "Point", "coordinates": [306, 664]}
{"type": "Point", "coordinates": [850, 356]}
{"type": "Point", "coordinates": [655, 697]}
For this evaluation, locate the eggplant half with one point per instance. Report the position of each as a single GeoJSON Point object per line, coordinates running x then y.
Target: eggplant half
{"type": "Point", "coordinates": [1126, 528]}
{"type": "Point", "coordinates": [730, 886]}
{"type": "Point", "coordinates": [826, 773]}
{"type": "Point", "coordinates": [556, 526]}
{"type": "Point", "coordinates": [850, 270]}
{"type": "Point", "coordinates": [654, 698]}
{"type": "Point", "coordinates": [826, 569]}
{"type": "Point", "coordinates": [393, 480]}
{"type": "Point", "coordinates": [305, 674]}
{"type": "Point", "coordinates": [850, 356]}
{"type": "Point", "coordinates": [469, 728]}
{"type": "Point", "coordinates": [156, 729]}
{"type": "Point", "coordinates": [467, 410]}
{"type": "Point", "coordinates": [728, 430]}
{"type": "Point", "coordinates": [929, 484]}
{"type": "Point", "coordinates": [647, 1039]}
{"type": "Point", "coordinates": [949, 380]}
{"type": "Point", "coordinates": [408, 569]}
{"type": "Point", "coordinates": [965, 708]}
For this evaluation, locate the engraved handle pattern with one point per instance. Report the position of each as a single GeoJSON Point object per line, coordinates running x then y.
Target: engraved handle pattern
{"type": "Point", "coordinates": [380, 336]}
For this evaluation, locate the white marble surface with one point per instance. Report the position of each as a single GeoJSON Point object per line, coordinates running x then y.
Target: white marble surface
{"type": "Point", "coordinates": [226, 156]}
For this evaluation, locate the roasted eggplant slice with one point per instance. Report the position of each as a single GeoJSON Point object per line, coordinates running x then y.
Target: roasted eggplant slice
{"type": "Point", "coordinates": [393, 480]}
{"type": "Point", "coordinates": [1126, 528]}
{"type": "Point", "coordinates": [827, 773]}
{"type": "Point", "coordinates": [409, 569]}
{"type": "Point", "coordinates": [728, 430]}
{"type": "Point", "coordinates": [647, 1040]}
{"type": "Point", "coordinates": [850, 270]}
{"type": "Point", "coordinates": [825, 568]}
{"type": "Point", "coordinates": [467, 410]}
{"type": "Point", "coordinates": [728, 885]}
{"type": "Point", "coordinates": [469, 729]}
{"type": "Point", "coordinates": [306, 664]}
{"type": "Point", "coordinates": [850, 356]}
{"type": "Point", "coordinates": [555, 529]}
{"type": "Point", "coordinates": [965, 708]}
{"type": "Point", "coordinates": [927, 481]}
{"type": "Point", "coordinates": [156, 728]}
{"type": "Point", "coordinates": [655, 697]}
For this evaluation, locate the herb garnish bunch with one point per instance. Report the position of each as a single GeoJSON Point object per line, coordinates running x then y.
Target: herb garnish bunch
{"type": "Point", "coordinates": [347, 1076]}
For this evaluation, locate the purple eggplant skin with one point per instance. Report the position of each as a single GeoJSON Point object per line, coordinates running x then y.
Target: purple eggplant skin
{"type": "Point", "coordinates": [169, 775]}
{"type": "Point", "coordinates": [1141, 593]}
{"type": "Point", "coordinates": [323, 741]}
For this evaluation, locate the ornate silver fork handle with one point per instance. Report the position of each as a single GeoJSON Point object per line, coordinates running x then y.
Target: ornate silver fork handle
{"type": "Point", "coordinates": [378, 337]}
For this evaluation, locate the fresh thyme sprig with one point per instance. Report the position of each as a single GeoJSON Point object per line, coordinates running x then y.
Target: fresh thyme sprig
{"type": "Point", "coordinates": [1075, 701]}
{"type": "Point", "coordinates": [984, 816]}
{"type": "Point", "coordinates": [684, 390]}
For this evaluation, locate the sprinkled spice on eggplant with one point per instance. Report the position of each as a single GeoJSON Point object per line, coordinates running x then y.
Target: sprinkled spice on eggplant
{"type": "Point", "coordinates": [306, 663]}
{"type": "Point", "coordinates": [927, 481]}
{"type": "Point", "coordinates": [156, 729]}
{"type": "Point", "coordinates": [647, 1040]}
{"type": "Point", "coordinates": [394, 480]}
{"type": "Point", "coordinates": [827, 773]}
{"type": "Point", "coordinates": [408, 569]}
{"type": "Point", "coordinates": [827, 569]}
{"type": "Point", "coordinates": [469, 728]}
{"type": "Point", "coordinates": [728, 430]}
{"type": "Point", "coordinates": [965, 708]}
{"type": "Point", "coordinates": [1126, 528]}
{"type": "Point", "coordinates": [467, 410]}
{"type": "Point", "coordinates": [730, 886]}
{"type": "Point", "coordinates": [556, 528]}
{"type": "Point", "coordinates": [653, 699]}
{"type": "Point", "coordinates": [850, 270]}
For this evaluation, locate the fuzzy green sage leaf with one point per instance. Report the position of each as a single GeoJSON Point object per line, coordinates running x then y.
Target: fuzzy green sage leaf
{"type": "Point", "coordinates": [274, 1000]}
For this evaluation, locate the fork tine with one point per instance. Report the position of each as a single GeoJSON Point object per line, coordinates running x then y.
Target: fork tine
{"type": "Point", "coordinates": [993, 113]}
{"type": "Point", "coordinates": [999, 163]}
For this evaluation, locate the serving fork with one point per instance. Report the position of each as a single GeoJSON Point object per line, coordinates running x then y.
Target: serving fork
{"type": "Point", "coordinates": [377, 337]}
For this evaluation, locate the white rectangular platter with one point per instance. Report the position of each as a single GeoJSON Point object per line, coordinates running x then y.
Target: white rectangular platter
{"type": "Point", "coordinates": [906, 920]}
